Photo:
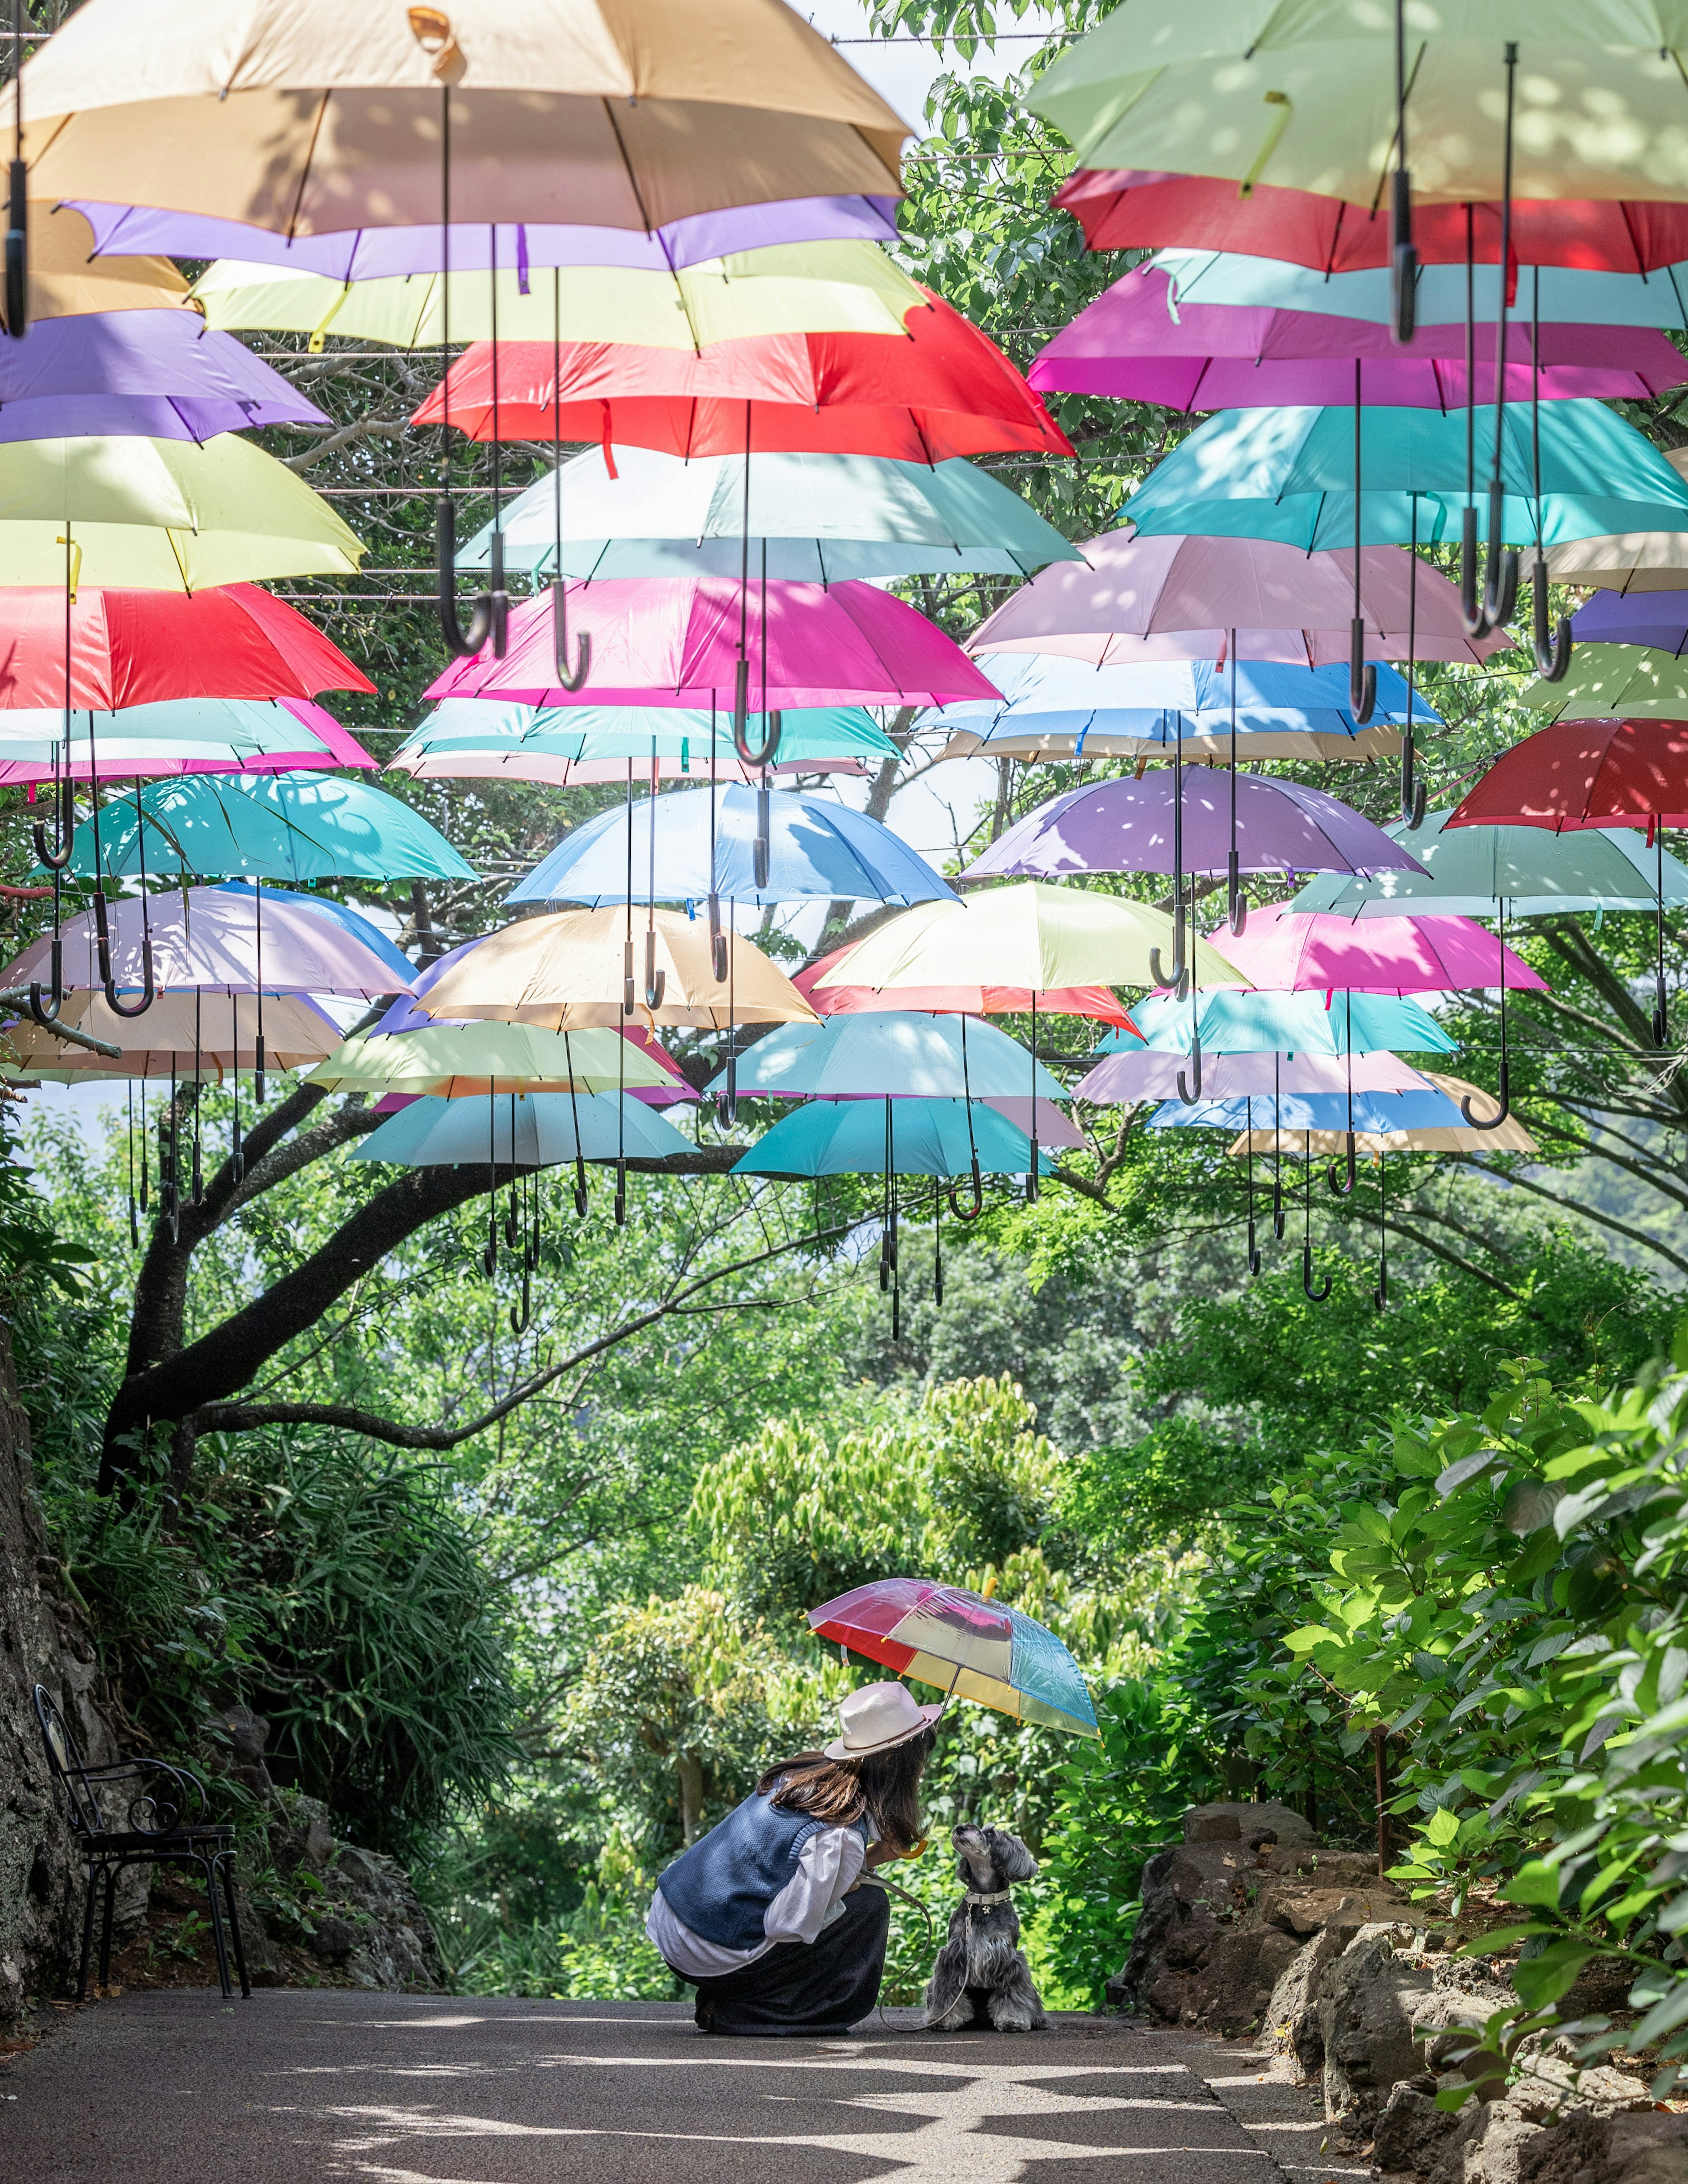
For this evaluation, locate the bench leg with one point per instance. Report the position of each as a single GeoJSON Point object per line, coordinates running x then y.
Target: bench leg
{"type": "Point", "coordinates": [227, 1863]}
{"type": "Point", "coordinates": [106, 1924]}
{"type": "Point", "coordinates": [209, 1865]}
{"type": "Point", "coordinates": [87, 1932]}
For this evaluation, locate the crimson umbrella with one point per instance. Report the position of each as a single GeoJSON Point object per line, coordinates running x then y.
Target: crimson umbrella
{"type": "Point", "coordinates": [1593, 773]}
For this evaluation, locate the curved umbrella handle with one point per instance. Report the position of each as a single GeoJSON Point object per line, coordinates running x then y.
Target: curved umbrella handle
{"type": "Point", "coordinates": [1380, 1292]}
{"type": "Point", "coordinates": [1158, 970]}
{"type": "Point", "coordinates": [1500, 581]}
{"type": "Point", "coordinates": [971, 1212]}
{"type": "Point", "coordinates": [149, 991]}
{"type": "Point", "coordinates": [580, 1196]}
{"type": "Point", "coordinates": [65, 818]}
{"type": "Point", "coordinates": [568, 678]}
{"type": "Point", "coordinates": [45, 1013]}
{"type": "Point", "coordinates": [1280, 1212]}
{"type": "Point", "coordinates": [629, 991]}
{"type": "Point", "coordinates": [1193, 1097]}
{"type": "Point", "coordinates": [1315, 1296]}
{"type": "Point", "coordinates": [656, 980]}
{"type": "Point", "coordinates": [519, 1326]}
{"type": "Point", "coordinates": [1552, 658]}
{"type": "Point", "coordinates": [1341, 1186]}
{"type": "Point", "coordinates": [1254, 1259]}
{"type": "Point", "coordinates": [1413, 795]}
{"type": "Point", "coordinates": [458, 640]}
{"type": "Point", "coordinates": [621, 1193]}
{"type": "Point", "coordinates": [771, 746]}
{"type": "Point", "coordinates": [1495, 1121]}
{"type": "Point", "coordinates": [1236, 905]}
{"type": "Point", "coordinates": [1361, 675]}
{"type": "Point", "coordinates": [1474, 622]}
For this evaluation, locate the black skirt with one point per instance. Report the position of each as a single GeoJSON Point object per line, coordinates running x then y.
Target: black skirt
{"type": "Point", "coordinates": [825, 1986]}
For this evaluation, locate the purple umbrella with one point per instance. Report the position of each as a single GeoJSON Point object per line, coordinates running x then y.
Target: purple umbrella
{"type": "Point", "coordinates": [388, 253]}
{"type": "Point", "coordinates": [1134, 343]}
{"type": "Point", "coordinates": [1658, 619]}
{"type": "Point", "coordinates": [1140, 1075]}
{"type": "Point", "coordinates": [149, 374]}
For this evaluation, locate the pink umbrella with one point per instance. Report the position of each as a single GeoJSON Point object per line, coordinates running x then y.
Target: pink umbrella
{"type": "Point", "coordinates": [676, 641]}
{"type": "Point", "coordinates": [333, 746]}
{"type": "Point", "coordinates": [1138, 343]}
{"type": "Point", "coordinates": [1292, 951]}
{"type": "Point", "coordinates": [1135, 1075]}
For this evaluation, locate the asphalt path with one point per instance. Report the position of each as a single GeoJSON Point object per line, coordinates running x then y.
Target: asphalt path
{"type": "Point", "coordinates": [183, 2088]}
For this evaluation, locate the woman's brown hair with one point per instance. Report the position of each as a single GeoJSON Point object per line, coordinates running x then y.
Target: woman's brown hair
{"type": "Point", "coordinates": [885, 1786]}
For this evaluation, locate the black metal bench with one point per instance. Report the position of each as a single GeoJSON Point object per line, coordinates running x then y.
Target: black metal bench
{"type": "Point", "coordinates": [164, 1828]}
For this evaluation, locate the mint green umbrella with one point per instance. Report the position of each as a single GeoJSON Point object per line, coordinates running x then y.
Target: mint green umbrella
{"type": "Point", "coordinates": [1522, 872]}
{"type": "Point", "coordinates": [287, 827]}
{"type": "Point", "coordinates": [1615, 683]}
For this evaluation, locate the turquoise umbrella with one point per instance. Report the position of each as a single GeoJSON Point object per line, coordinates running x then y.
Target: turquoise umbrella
{"type": "Point", "coordinates": [1512, 871]}
{"type": "Point", "coordinates": [890, 1053]}
{"type": "Point", "coordinates": [283, 826]}
{"type": "Point", "coordinates": [804, 518]}
{"type": "Point", "coordinates": [568, 735]}
{"type": "Point", "coordinates": [1549, 293]}
{"type": "Point", "coordinates": [522, 1129]}
{"type": "Point", "coordinates": [1263, 1020]}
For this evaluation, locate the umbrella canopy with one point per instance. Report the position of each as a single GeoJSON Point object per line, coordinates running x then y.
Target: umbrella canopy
{"type": "Point", "coordinates": [1615, 682]}
{"type": "Point", "coordinates": [1426, 1108]}
{"type": "Point", "coordinates": [1173, 597]}
{"type": "Point", "coordinates": [1481, 872]}
{"type": "Point", "coordinates": [212, 938]}
{"type": "Point", "coordinates": [794, 288]}
{"type": "Point", "coordinates": [481, 737]}
{"type": "Point", "coordinates": [1628, 561]}
{"type": "Point", "coordinates": [66, 279]}
{"type": "Point", "coordinates": [811, 519]}
{"type": "Point", "coordinates": [895, 1054]}
{"type": "Point", "coordinates": [945, 389]}
{"type": "Point", "coordinates": [569, 971]}
{"type": "Point", "coordinates": [455, 1062]}
{"type": "Point", "coordinates": [375, 253]}
{"type": "Point", "coordinates": [1031, 935]}
{"type": "Point", "coordinates": [1656, 620]}
{"type": "Point", "coordinates": [816, 847]}
{"type": "Point", "coordinates": [1123, 1079]}
{"type": "Point", "coordinates": [282, 827]}
{"type": "Point", "coordinates": [1294, 953]}
{"type": "Point", "coordinates": [1321, 738]}
{"type": "Point", "coordinates": [161, 515]}
{"type": "Point", "coordinates": [1168, 823]}
{"type": "Point", "coordinates": [674, 641]}
{"type": "Point", "coordinates": [308, 119]}
{"type": "Point", "coordinates": [957, 1641]}
{"type": "Point", "coordinates": [156, 374]}
{"type": "Point", "coordinates": [1131, 344]}
{"type": "Point", "coordinates": [185, 735]}
{"type": "Point", "coordinates": [1293, 1023]}
{"type": "Point", "coordinates": [183, 1034]}
{"type": "Point", "coordinates": [524, 1129]}
{"type": "Point", "coordinates": [362, 928]}
{"type": "Point", "coordinates": [971, 1000]}
{"type": "Point", "coordinates": [138, 648]}
{"type": "Point", "coordinates": [1289, 474]}
{"type": "Point", "coordinates": [922, 1137]}
{"type": "Point", "coordinates": [1502, 1133]}
{"type": "Point", "coordinates": [1586, 773]}
{"type": "Point", "coordinates": [1161, 86]}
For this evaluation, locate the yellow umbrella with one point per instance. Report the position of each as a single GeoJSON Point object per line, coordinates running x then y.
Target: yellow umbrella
{"type": "Point", "coordinates": [308, 117]}
{"type": "Point", "coordinates": [799, 287]}
{"type": "Point", "coordinates": [459, 1061]}
{"type": "Point", "coordinates": [1028, 934]}
{"type": "Point", "coordinates": [162, 516]}
{"type": "Point", "coordinates": [572, 970]}
{"type": "Point", "coordinates": [205, 1034]}
{"type": "Point", "coordinates": [1508, 1137]}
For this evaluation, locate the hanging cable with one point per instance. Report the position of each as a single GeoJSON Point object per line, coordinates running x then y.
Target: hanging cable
{"type": "Point", "coordinates": [1553, 655]}
{"type": "Point", "coordinates": [570, 676]}
{"type": "Point", "coordinates": [1505, 1107]}
{"type": "Point", "coordinates": [1315, 1295]}
{"type": "Point", "coordinates": [458, 639]}
{"type": "Point", "coordinates": [972, 1211]}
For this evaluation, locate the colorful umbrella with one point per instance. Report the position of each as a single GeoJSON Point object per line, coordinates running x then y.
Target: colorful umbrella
{"type": "Point", "coordinates": [281, 827]}
{"type": "Point", "coordinates": [454, 1062]}
{"type": "Point", "coordinates": [811, 519]}
{"type": "Point", "coordinates": [1424, 1107]}
{"type": "Point", "coordinates": [184, 735]}
{"type": "Point", "coordinates": [691, 845]}
{"type": "Point", "coordinates": [1657, 620]}
{"type": "Point", "coordinates": [1520, 872]}
{"type": "Point", "coordinates": [971, 1000]}
{"type": "Point", "coordinates": [926, 1137]}
{"type": "Point", "coordinates": [1288, 952]}
{"type": "Point", "coordinates": [894, 1054]}
{"type": "Point", "coordinates": [522, 1129]}
{"type": "Point", "coordinates": [958, 1642]}
{"type": "Point", "coordinates": [1261, 1022]}
{"type": "Point", "coordinates": [362, 929]}
{"type": "Point", "coordinates": [481, 737]}
{"type": "Point", "coordinates": [66, 280]}
{"type": "Point", "coordinates": [1615, 682]}
{"type": "Point", "coordinates": [205, 1034]}
{"type": "Point", "coordinates": [1628, 561]}
{"type": "Point", "coordinates": [314, 119]}
{"type": "Point", "coordinates": [1123, 1079]}
{"type": "Point", "coordinates": [1509, 1136]}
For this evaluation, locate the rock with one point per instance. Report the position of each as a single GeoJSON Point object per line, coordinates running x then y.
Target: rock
{"type": "Point", "coordinates": [1291, 2021]}
{"type": "Point", "coordinates": [1246, 1823]}
{"type": "Point", "coordinates": [1375, 2003]}
{"type": "Point", "coordinates": [241, 1734]}
{"type": "Point", "coordinates": [1412, 2128]}
{"type": "Point", "coordinates": [1486, 2145]}
{"type": "Point", "coordinates": [334, 1940]}
{"type": "Point", "coordinates": [1638, 2147]}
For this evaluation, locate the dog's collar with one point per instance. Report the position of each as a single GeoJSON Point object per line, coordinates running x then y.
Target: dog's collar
{"type": "Point", "coordinates": [1001, 1896]}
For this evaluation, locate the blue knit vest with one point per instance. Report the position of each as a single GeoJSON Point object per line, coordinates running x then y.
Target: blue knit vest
{"type": "Point", "coordinates": [722, 1886]}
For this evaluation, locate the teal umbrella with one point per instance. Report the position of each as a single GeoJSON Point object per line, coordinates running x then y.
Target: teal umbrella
{"type": "Point", "coordinates": [1518, 871]}
{"type": "Point", "coordinates": [522, 1129]}
{"type": "Point", "coordinates": [805, 518]}
{"type": "Point", "coordinates": [1263, 1020]}
{"type": "Point", "coordinates": [892, 1053]}
{"type": "Point", "coordinates": [287, 826]}
{"type": "Point", "coordinates": [564, 743]}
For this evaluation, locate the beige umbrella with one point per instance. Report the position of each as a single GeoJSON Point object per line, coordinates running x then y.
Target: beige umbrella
{"type": "Point", "coordinates": [467, 1062]}
{"type": "Point", "coordinates": [308, 117]}
{"type": "Point", "coordinates": [205, 1034]}
{"type": "Point", "coordinates": [66, 280]}
{"type": "Point", "coordinates": [1509, 1137]}
{"type": "Point", "coordinates": [575, 969]}
{"type": "Point", "coordinates": [1627, 560]}
{"type": "Point", "coordinates": [1377, 741]}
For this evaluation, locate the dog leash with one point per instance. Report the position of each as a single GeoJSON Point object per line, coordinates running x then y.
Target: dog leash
{"type": "Point", "coordinates": [894, 1888]}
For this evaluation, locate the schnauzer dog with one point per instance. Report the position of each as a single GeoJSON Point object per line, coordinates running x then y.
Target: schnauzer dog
{"type": "Point", "coordinates": [981, 1976]}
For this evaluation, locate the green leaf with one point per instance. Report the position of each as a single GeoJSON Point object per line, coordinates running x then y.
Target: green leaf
{"type": "Point", "coordinates": [1443, 1827]}
{"type": "Point", "coordinates": [1536, 1882]}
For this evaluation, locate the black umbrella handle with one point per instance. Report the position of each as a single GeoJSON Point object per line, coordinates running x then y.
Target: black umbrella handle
{"type": "Point", "coordinates": [1414, 794]}
{"type": "Point", "coordinates": [1254, 1259]}
{"type": "Point", "coordinates": [458, 640]}
{"type": "Point", "coordinates": [18, 252]}
{"type": "Point", "coordinates": [1495, 1121]}
{"type": "Point", "coordinates": [741, 742]}
{"type": "Point", "coordinates": [57, 859]}
{"type": "Point", "coordinates": [1237, 906]}
{"type": "Point", "coordinates": [47, 1012]}
{"type": "Point", "coordinates": [1361, 675]}
{"type": "Point", "coordinates": [1500, 578]}
{"type": "Point", "coordinates": [1553, 655]}
{"type": "Point", "coordinates": [569, 678]}
{"type": "Point", "coordinates": [970, 1213]}
{"type": "Point", "coordinates": [1191, 1095]}
{"type": "Point", "coordinates": [1341, 1185]}
{"type": "Point", "coordinates": [762, 855]}
{"type": "Point", "coordinates": [1315, 1296]}
{"type": "Point", "coordinates": [656, 980]}
{"type": "Point", "coordinates": [1403, 260]}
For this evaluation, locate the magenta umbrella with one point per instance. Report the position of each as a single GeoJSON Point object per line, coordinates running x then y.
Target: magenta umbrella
{"type": "Point", "coordinates": [1137, 344]}
{"type": "Point", "coordinates": [1149, 1074]}
{"type": "Point", "coordinates": [1299, 951]}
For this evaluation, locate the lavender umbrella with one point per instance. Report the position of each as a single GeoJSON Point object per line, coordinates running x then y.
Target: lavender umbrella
{"type": "Point", "coordinates": [144, 375]}
{"type": "Point", "coordinates": [1657, 619]}
{"type": "Point", "coordinates": [1123, 1078]}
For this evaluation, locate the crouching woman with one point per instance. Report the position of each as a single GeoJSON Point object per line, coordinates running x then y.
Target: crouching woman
{"type": "Point", "coordinates": [769, 1915]}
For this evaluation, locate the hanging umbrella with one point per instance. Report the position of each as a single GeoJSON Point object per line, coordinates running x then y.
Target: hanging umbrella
{"type": "Point", "coordinates": [1288, 952]}
{"type": "Point", "coordinates": [945, 390]}
{"type": "Point", "coordinates": [1615, 682]}
{"type": "Point", "coordinates": [375, 254]}
{"type": "Point", "coordinates": [522, 1130]}
{"type": "Point", "coordinates": [960, 1643]}
{"type": "Point", "coordinates": [1655, 620]}
{"type": "Point", "coordinates": [569, 971]}
{"type": "Point", "coordinates": [847, 287]}
{"type": "Point", "coordinates": [1263, 1022]}
{"type": "Point", "coordinates": [185, 735]}
{"type": "Point", "coordinates": [1483, 871]}
{"type": "Point", "coordinates": [310, 120]}
{"type": "Point", "coordinates": [1628, 561]}
{"type": "Point", "coordinates": [1509, 1136]}
{"type": "Point", "coordinates": [159, 374]}
{"type": "Point", "coordinates": [136, 648]}
{"type": "Point", "coordinates": [892, 1054]}
{"type": "Point", "coordinates": [209, 1034]}
{"type": "Point", "coordinates": [973, 999]}
{"type": "Point", "coordinates": [812, 519]}
{"type": "Point", "coordinates": [447, 1061]}
{"type": "Point", "coordinates": [285, 826]}
{"type": "Point", "coordinates": [1424, 1107]}
{"type": "Point", "coordinates": [1319, 739]}
{"type": "Point", "coordinates": [816, 848]}
{"type": "Point", "coordinates": [163, 514]}
{"type": "Point", "coordinates": [1130, 346]}
{"type": "Point", "coordinates": [65, 279]}
{"type": "Point", "coordinates": [1123, 1079]}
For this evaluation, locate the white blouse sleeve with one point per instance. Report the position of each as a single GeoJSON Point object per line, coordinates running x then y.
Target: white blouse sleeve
{"type": "Point", "coordinates": [827, 1867]}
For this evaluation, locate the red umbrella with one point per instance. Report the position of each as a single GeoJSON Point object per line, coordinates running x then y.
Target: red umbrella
{"type": "Point", "coordinates": [1593, 773]}
{"type": "Point", "coordinates": [946, 390]}
{"type": "Point", "coordinates": [957, 1001]}
{"type": "Point", "coordinates": [1122, 209]}
{"type": "Point", "coordinates": [138, 648]}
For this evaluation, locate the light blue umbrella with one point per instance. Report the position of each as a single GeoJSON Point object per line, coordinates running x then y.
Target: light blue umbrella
{"type": "Point", "coordinates": [814, 519]}
{"type": "Point", "coordinates": [279, 826]}
{"type": "Point", "coordinates": [1316, 1110]}
{"type": "Point", "coordinates": [1289, 474]}
{"type": "Point", "coordinates": [594, 733]}
{"type": "Point", "coordinates": [522, 1129]}
{"type": "Point", "coordinates": [1515, 871]}
{"type": "Point", "coordinates": [695, 843]}
{"type": "Point", "coordinates": [924, 1137]}
{"type": "Point", "coordinates": [1549, 293]}
{"type": "Point", "coordinates": [222, 730]}
{"type": "Point", "coordinates": [1261, 1022]}
{"type": "Point", "coordinates": [891, 1053]}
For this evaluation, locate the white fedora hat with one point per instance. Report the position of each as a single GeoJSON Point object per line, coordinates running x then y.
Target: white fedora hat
{"type": "Point", "coordinates": [876, 1717]}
